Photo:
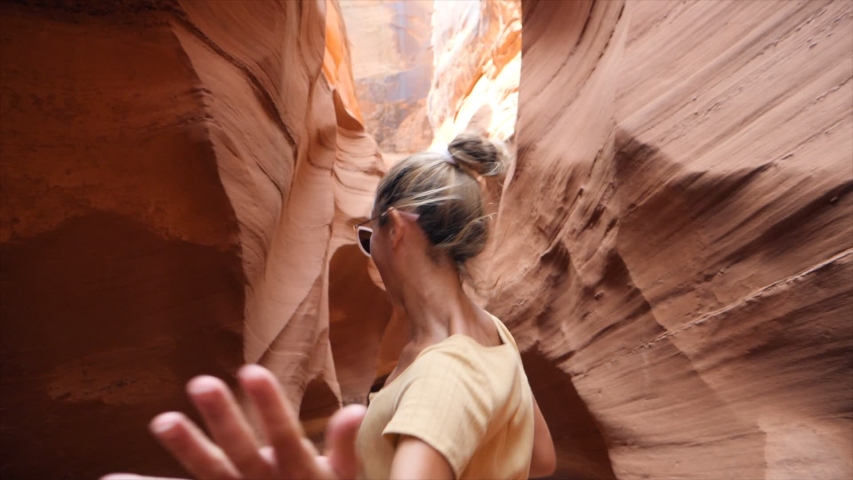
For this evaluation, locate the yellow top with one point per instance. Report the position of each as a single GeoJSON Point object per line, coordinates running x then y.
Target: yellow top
{"type": "Point", "coordinates": [469, 402]}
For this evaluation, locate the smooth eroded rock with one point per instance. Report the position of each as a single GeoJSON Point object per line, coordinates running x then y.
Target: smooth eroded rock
{"type": "Point", "coordinates": [686, 256]}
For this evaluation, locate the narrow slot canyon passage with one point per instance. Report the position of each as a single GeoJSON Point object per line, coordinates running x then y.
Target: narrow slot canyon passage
{"type": "Point", "coordinates": [425, 71]}
{"type": "Point", "coordinates": [671, 246]}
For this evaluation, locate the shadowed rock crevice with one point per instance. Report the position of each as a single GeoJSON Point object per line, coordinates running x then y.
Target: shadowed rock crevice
{"type": "Point", "coordinates": [318, 404]}
{"type": "Point", "coordinates": [581, 448]}
{"type": "Point", "coordinates": [358, 314]}
{"type": "Point", "coordinates": [166, 195]}
{"type": "Point", "coordinates": [103, 323]}
{"type": "Point", "coordinates": [674, 233]}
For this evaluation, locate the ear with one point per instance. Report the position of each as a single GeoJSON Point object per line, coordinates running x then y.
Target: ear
{"type": "Point", "coordinates": [397, 227]}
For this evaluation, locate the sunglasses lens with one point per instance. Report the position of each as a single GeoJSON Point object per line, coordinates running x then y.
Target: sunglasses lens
{"type": "Point", "coordinates": [364, 240]}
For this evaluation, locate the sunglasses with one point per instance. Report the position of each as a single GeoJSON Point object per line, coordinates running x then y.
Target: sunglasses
{"type": "Point", "coordinates": [363, 233]}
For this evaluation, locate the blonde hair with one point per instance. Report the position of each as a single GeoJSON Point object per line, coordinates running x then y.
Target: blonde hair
{"type": "Point", "coordinates": [442, 188]}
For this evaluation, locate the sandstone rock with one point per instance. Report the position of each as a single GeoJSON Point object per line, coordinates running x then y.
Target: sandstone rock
{"type": "Point", "coordinates": [477, 60]}
{"type": "Point", "coordinates": [176, 180]}
{"type": "Point", "coordinates": [358, 306]}
{"type": "Point", "coordinates": [672, 247]}
{"type": "Point", "coordinates": [687, 256]}
{"type": "Point", "coordinates": [392, 66]}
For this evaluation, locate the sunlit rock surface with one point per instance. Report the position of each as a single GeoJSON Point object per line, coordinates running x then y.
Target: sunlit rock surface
{"type": "Point", "coordinates": [177, 178]}
{"type": "Point", "coordinates": [676, 238]}
{"type": "Point", "coordinates": [672, 247]}
{"type": "Point", "coordinates": [392, 66]}
{"type": "Point", "coordinates": [477, 61]}
{"type": "Point", "coordinates": [358, 307]}
{"type": "Point", "coordinates": [426, 71]}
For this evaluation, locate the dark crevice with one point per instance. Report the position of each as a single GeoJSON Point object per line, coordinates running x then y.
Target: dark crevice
{"type": "Point", "coordinates": [358, 314]}
{"type": "Point", "coordinates": [581, 447]}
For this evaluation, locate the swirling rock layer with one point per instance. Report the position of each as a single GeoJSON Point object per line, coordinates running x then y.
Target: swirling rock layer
{"type": "Point", "coordinates": [477, 60]}
{"type": "Point", "coordinates": [392, 66]}
{"type": "Point", "coordinates": [176, 179]}
{"type": "Point", "coordinates": [676, 237]}
{"type": "Point", "coordinates": [673, 247]}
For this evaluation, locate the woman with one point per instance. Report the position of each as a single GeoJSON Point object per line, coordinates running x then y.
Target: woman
{"type": "Point", "coordinates": [458, 404]}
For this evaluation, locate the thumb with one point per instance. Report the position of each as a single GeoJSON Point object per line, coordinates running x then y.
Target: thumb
{"type": "Point", "coordinates": [340, 440]}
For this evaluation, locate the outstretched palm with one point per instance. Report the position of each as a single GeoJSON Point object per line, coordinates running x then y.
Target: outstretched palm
{"type": "Point", "coordinates": [237, 454]}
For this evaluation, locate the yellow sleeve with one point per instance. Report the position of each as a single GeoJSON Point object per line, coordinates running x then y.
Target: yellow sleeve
{"type": "Point", "coordinates": [447, 404]}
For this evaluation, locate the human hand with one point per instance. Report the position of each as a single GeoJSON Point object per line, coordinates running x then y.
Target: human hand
{"type": "Point", "coordinates": [237, 454]}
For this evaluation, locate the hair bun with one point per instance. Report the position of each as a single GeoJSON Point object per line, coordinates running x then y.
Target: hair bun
{"type": "Point", "coordinates": [478, 154]}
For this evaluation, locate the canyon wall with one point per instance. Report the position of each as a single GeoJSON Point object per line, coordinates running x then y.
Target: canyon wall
{"type": "Point", "coordinates": [477, 61]}
{"type": "Point", "coordinates": [426, 71]}
{"type": "Point", "coordinates": [392, 66]}
{"type": "Point", "coordinates": [176, 179]}
{"type": "Point", "coordinates": [674, 247]}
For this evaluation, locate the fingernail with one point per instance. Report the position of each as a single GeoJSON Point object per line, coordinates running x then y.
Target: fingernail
{"type": "Point", "coordinates": [164, 422]}
{"type": "Point", "coordinates": [252, 370]}
{"type": "Point", "coordinates": [202, 385]}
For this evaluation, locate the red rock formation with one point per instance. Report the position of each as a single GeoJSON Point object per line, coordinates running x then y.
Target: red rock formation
{"type": "Point", "coordinates": [477, 49]}
{"type": "Point", "coordinates": [176, 180]}
{"type": "Point", "coordinates": [672, 249]}
{"type": "Point", "coordinates": [358, 306]}
{"type": "Point", "coordinates": [392, 65]}
{"type": "Point", "coordinates": [686, 260]}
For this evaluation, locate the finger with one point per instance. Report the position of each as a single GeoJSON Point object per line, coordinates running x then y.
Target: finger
{"type": "Point", "coordinates": [133, 476]}
{"type": "Point", "coordinates": [341, 435]}
{"type": "Point", "coordinates": [228, 426]}
{"type": "Point", "coordinates": [188, 444]}
{"type": "Point", "coordinates": [280, 422]}
{"type": "Point", "coordinates": [309, 446]}
{"type": "Point", "coordinates": [268, 454]}
{"type": "Point", "coordinates": [323, 462]}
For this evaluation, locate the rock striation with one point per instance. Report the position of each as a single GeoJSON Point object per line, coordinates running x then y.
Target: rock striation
{"type": "Point", "coordinates": [477, 61]}
{"type": "Point", "coordinates": [675, 241]}
{"type": "Point", "coordinates": [177, 179]}
{"type": "Point", "coordinates": [672, 247]}
{"type": "Point", "coordinates": [392, 64]}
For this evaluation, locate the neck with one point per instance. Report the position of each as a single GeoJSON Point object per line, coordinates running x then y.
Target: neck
{"type": "Point", "coordinates": [434, 303]}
